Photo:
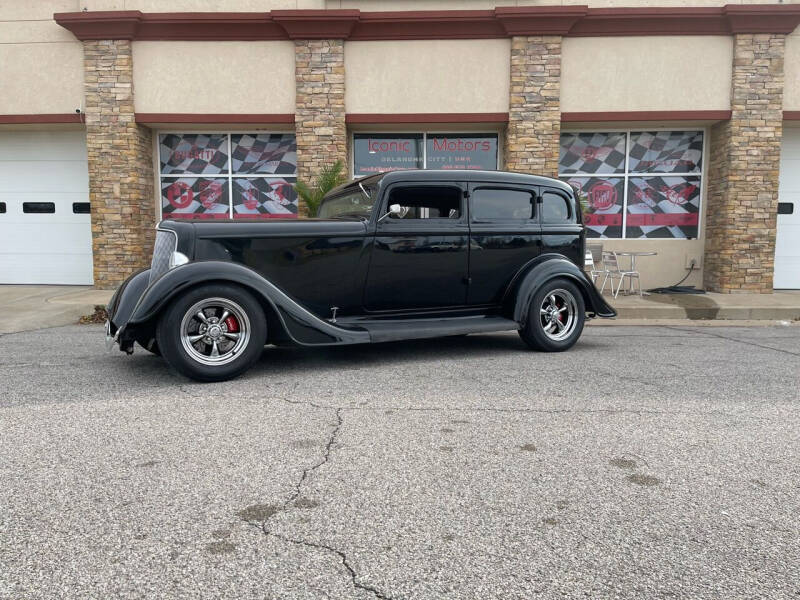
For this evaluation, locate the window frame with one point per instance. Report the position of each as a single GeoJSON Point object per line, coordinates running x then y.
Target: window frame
{"type": "Point", "coordinates": [625, 175]}
{"type": "Point", "coordinates": [533, 191]}
{"type": "Point", "coordinates": [229, 176]}
{"type": "Point", "coordinates": [351, 152]}
{"type": "Point", "coordinates": [572, 213]}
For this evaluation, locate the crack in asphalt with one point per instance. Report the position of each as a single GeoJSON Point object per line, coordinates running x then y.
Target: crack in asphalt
{"type": "Point", "coordinates": [730, 339]}
{"type": "Point", "coordinates": [297, 492]}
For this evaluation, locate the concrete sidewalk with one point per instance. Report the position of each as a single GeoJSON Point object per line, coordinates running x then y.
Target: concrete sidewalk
{"type": "Point", "coordinates": [778, 306]}
{"type": "Point", "coordinates": [38, 306]}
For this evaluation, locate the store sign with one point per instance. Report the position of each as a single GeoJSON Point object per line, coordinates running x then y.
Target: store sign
{"type": "Point", "coordinates": [387, 152]}
{"type": "Point", "coordinates": [461, 152]}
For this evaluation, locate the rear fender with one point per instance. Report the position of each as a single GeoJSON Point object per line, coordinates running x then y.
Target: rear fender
{"type": "Point", "coordinates": [124, 300]}
{"type": "Point", "coordinates": [302, 326]}
{"type": "Point", "coordinates": [541, 270]}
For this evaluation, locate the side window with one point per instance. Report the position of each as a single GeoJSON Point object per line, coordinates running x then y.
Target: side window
{"type": "Point", "coordinates": [501, 204]}
{"type": "Point", "coordinates": [556, 208]}
{"type": "Point", "coordinates": [427, 202]}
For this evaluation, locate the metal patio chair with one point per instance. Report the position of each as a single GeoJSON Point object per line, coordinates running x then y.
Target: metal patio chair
{"type": "Point", "coordinates": [594, 253]}
{"type": "Point", "coordinates": [613, 271]}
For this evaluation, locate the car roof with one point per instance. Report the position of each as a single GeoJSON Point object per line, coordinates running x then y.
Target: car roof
{"type": "Point", "coordinates": [470, 175]}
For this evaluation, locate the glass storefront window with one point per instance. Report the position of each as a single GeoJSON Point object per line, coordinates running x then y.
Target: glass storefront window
{"type": "Point", "coordinates": [244, 175]}
{"type": "Point", "coordinates": [381, 152]}
{"type": "Point", "coordinates": [636, 184]}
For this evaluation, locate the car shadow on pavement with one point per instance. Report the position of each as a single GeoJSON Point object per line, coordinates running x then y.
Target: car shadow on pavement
{"type": "Point", "coordinates": [283, 359]}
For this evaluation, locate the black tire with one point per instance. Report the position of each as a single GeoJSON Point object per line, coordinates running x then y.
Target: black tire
{"type": "Point", "coordinates": [180, 324]}
{"type": "Point", "coordinates": [151, 345]}
{"type": "Point", "coordinates": [541, 332]}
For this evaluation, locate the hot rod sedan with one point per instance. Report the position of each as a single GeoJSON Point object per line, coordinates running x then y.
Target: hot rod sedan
{"type": "Point", "coordinates": [393, 256]}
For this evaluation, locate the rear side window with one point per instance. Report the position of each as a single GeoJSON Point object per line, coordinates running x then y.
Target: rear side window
{"type": "Point", "coordinates": [556, 208]}
{"type": "Point", "coordinates": [502, 204]}
{"type": "Point", "coordinates": [427, 202]}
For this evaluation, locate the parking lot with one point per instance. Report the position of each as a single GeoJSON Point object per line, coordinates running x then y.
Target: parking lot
{"type": "Point", "coordinates": [646, 462]}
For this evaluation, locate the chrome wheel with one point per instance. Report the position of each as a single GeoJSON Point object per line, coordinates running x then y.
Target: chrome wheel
{"type": "Point", "coordinates": [558, 314]}
{"type": "Point", "coordinates": [215, 331]}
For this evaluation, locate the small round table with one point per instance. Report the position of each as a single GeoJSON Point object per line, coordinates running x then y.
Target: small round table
{"type": "Point", "coordinates": [633, 256]}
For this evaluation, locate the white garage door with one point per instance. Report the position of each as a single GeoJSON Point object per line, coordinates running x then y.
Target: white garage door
{"type": "Point", "coordinates": [787, 244]}
{"type": "Point", "coordinates": [45, 228]}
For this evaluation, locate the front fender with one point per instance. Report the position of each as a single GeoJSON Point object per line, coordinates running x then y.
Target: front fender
{"type": "Point", "coordinates": [541, 270]}
{"type": "Point", "coordinates": [302, 326]}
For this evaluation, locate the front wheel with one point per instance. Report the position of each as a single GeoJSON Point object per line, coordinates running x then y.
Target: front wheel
{"type": "Point", "coordinates": [212, 333]}
{"type": "Point", "coordinates": [555, 318]}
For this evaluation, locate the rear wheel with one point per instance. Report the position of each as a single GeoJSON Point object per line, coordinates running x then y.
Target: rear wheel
{"type": "Point", "coordinates": [212, 333]}
{"type": "Point", "coordinates": [555, 318]}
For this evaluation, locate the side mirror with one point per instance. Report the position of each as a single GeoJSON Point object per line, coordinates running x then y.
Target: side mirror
{"type": "Point", "coordinates": [395, 210]}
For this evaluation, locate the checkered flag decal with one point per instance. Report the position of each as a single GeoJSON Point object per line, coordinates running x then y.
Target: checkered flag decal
{"type": "Point", "coordinates": [194, 198]}
{"type": "Point", "coordinates": [264, 153]}
{"type": "Point", "coordinates": [663, 207]}
{"type": "Point", "coordinates": [258, 197]}
{"type": "Point", "coordinates": [601, 153]}
{"type": "Point", "coordinates": [666, 152]}
{"type": "Point", "coordinates": [194, 153]}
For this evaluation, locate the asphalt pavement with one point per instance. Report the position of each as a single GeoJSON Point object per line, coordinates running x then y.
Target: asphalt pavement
{"type": "Point", "coordinates": [648, 462]}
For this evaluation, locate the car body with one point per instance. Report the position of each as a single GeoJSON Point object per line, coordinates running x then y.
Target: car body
{"type": "Point", "coordinates": [398, 255]}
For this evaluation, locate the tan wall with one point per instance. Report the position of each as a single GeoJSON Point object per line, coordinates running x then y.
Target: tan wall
{"type": "Point", "coordinates": [427, 76]}
{"type": "Point", "coordinates": [41, 64]}
{"type": "Point", "coordinates": [791, 90]}
{"type": "Point", "coordinates": [646, 73]}
{"type": "Point", "coordinates": [214, 77]}
{"type": "Point", "coordinates": [668, 267]}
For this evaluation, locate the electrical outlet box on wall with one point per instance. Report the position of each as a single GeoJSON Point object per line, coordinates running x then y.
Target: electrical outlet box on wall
{"type": "Point", "coordinates": [692, 262]}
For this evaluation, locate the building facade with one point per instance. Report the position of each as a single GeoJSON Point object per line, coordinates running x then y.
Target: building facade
{"type": "Point", "coordinates": [678, 123]}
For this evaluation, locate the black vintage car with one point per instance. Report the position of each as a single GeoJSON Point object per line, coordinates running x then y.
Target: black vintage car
{"type": "Point", "coordinates": [394, 256]}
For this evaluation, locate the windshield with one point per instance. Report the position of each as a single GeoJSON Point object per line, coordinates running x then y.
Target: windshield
{"type": "Point", "coordinates": [353, 204]}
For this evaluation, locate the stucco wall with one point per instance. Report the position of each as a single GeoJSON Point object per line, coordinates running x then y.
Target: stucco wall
{"type": "Point", "coordinates": [791, 90]}
{"type": "Point", "coordinates": [214, 77]}
{"type": "Point", "coordinates": [427, 76]}
{"type": "Point", "coordinates": [646, 73]}
{"type": "Point", "coordinates": [668, 267]}
{"type": "Point", "coordinates": [41, 64]}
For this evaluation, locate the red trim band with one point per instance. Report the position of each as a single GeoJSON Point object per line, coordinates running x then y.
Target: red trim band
{"type": "Point", "coordinates": [44, 118]}
{"type": "Point", "coordinates": [433, 24]}
{"type": "Point", "coordinates": [384, 118]}
{"type": "Point", "coordinates": [646, 115]}
{"type": "Point", "coordinates": [791, 115]}
{"type": "Point", "coordinates": [265, 119]}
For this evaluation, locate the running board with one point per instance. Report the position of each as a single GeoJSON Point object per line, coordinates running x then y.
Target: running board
{"type": "Point", "coordinates": [412, 329]}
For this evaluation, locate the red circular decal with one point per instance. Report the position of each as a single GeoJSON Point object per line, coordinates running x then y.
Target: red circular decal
{"type": "Point", "coordinates": [602, 196]}
{"type": "Point", "coordinates": [180, 194]}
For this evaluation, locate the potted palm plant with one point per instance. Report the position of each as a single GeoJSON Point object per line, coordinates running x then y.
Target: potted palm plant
{"type": "Point", "coordinates": [312, 194]}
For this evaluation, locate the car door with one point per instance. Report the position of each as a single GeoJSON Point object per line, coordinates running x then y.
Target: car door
{"type": "Point", "coordinates": [419, 258]}
{"type": "Point", "coordinates": [562, 232]}
{"type": "Point", "coordinates": [504, 235]}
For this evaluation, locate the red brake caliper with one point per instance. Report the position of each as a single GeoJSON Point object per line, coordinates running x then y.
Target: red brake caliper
{"type": "Point", "coordinates": [560, 314]}
{"type": "Point", "coordinates": [232, 324]}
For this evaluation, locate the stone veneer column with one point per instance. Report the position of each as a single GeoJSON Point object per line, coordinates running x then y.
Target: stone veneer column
{"type": "Point", "coordinates": [534, 117]}
{"type": "Point", "coordinates": [744, 157]}
{"type": "Point", "coordinates": [121, 188]}
{"type": "Point", "coordinates": [320, 113]}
